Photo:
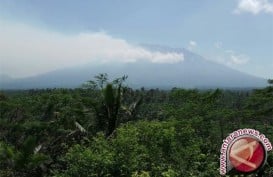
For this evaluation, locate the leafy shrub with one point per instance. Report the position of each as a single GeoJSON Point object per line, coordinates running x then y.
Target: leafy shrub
{"type": "Point", "coordinates": [168, 148]}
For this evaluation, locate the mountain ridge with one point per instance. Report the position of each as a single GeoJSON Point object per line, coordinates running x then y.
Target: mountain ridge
{"type": "Point", "coordinates": [193, 72]}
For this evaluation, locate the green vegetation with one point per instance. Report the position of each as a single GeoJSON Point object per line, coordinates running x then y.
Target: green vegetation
{"type": "Point", "coordinates": [107, 129]}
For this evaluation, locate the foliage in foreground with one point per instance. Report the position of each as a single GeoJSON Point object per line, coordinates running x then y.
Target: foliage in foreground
{"type": "Point", "coordinates": [113, 130]}
{"type": "Point", "coordinates": [167, 148]}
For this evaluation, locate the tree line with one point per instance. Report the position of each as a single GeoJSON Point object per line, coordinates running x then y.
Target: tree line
{"type": "Point", "coordinates": [106, 128]}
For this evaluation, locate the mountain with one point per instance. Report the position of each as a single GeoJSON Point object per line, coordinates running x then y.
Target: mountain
{"type": "Point", "coordinates": [194, 72]}
{"type": "Point", "coordinates": [5, 78]}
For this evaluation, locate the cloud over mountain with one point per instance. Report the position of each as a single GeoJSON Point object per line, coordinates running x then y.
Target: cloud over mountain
{"type": "Point", "coordinates": [194, 72]}
{"type": "Point", "coordinates": [26, 50]}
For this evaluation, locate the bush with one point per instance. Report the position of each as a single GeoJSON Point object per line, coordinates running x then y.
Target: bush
{"type": "Point", "coordinates": [168, 148]}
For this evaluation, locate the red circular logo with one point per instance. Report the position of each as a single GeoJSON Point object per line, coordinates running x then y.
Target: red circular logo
{"type": "Point", "coordinates": [247, 154]}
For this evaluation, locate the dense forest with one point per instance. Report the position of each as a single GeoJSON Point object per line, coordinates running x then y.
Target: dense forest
{"type": "Point", "coordinates": [107, 129]}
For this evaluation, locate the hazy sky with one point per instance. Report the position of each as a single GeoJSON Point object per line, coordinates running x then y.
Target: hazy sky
{"type": "Point", "coordinates": [37, 36]}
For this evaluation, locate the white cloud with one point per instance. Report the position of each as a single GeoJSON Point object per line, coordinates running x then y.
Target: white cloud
{"type": "Point", "coordinates": [234, 58]}
{"type": "Point", "coordinates": [26, 50]}
{"type": "Point", "coordinates": [192, 45]}
{"type": "Point", "coordinates": [237, 59]}
{"type": "Point", "coordinates": [254, 6]}
{"type": "Point", "coordinates": [231, 58]}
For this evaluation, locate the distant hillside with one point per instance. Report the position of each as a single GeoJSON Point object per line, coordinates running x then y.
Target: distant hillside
{"type": "Point", "coordinates": [5, 78]}
{"type": "Point", "coordinates": [193, 72]}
